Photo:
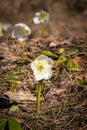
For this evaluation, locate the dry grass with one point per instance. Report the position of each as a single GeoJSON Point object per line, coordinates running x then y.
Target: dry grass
{"type": "Point", "coordinates": [64, 104]}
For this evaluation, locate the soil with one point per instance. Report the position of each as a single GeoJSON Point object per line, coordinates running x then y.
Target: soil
{"type": "Point", "coordinates": [64, 96]}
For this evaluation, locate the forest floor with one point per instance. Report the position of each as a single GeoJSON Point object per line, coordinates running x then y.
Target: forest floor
{"type": "Point", "coordinates": [64, 96]}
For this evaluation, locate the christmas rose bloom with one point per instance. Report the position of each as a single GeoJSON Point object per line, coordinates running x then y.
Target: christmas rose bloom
{"type": "Point", "coordinates": [42, 67]}
{"type": "Point", "coordinates": [21, 32]}
{"type": "Point", "coordinates": [41, 17]}
{"type": "Point", "coordinates": [6, 26]}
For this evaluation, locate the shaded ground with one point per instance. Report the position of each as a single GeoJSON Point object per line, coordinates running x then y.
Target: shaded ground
{"type": "Point", "coordinates": [64, 96]}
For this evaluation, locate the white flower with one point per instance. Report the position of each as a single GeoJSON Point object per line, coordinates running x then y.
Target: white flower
{"type": "Point", "coordinates": [21, 32]}
{"type": "Point", "coordinates": [6, 26]}
{"type": "Point", "coordinates": [42, 67]}
{"type": "Point", "coordinates": [41, 17]}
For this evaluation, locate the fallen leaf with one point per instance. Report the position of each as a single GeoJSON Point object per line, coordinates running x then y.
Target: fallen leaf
{"type": "Point", "coordinates": [55, 91]}
{"type": "Point", "coordinates": [53, 44]}
{"type": "Point", "coordinates": [67, 41]}
{"type": "Point", "coordinates": [21, 96]}
{"type": "Point", "coordinates": [78, 61]}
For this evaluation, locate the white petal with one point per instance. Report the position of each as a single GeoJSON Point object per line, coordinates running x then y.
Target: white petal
{"type": "Point", "coordinates": [41, 57]}
{"type": "Point", "coordinates": [36, 20]}
{"type": "Point", "coordinates": [24, 26]}
{"type": "Point", "coordinates": [32, 65]}
{"type": "Point", "coordinates": [37, 14]}
{"type": "Point", "coordinates": [46, 75]}
{"type": "Point", "coordinates": [48, 60]}
{"type": "Point", "coordinates": [13, 34]}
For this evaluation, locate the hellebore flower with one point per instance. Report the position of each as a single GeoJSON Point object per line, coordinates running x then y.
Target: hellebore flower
{"type": "Point", "coordinates": [42, 67]}
{"type": "Point", "coordinates": [4, 27]}
{"type": "Point", "coordinates": [41, 17]}
{"type": "Point", "coordinates": [21, 32]}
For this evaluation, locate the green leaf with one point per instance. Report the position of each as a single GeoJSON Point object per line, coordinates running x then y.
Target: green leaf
{"type": "Point", "coordinates": [70, 64]}
{"type": "Point", "coordinates": [14, 81]}
{"type": "Point", "coordinates": [30, 55]}
{"type": "Point", "coordinates": [82, 83]}
{"type": "Point", "coordinates": [62, 59]}
{"type": "Point", "coordinates": [61, 50]}
{"type": "Point", "coordinates": [14, 125]}
{"type": "Point", "coordinates": [2, 123]}
{"type": "Point", "coordinates": [50, 54]}
{"type": "Point", "coordinates": [15, 108]}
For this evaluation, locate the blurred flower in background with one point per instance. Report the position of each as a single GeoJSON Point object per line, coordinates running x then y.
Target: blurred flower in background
{"type": "Point", "coordinates": [21, 32]}
{"type": "Point", "coordinates": [41, 17]}
{"type": "Point", "coordinates": [4, 27]}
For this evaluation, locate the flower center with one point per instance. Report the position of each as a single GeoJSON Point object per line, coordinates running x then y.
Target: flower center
{"type": "Point", "coordinates": [23, 31]}
{"type": "Point", "coordinates": [40, 68]}
{"type": "Point", "coordinates": [42, 16]}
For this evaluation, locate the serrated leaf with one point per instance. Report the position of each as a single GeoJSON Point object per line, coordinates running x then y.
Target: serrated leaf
{"type": "Point", "coordinates": [14, 125]}
{"type": "Point", "coordinates": [49, 53]}
{"type": "Point", "coordinates": [2, 123]}
{"type": "Point", "coordinates": [62, 59]}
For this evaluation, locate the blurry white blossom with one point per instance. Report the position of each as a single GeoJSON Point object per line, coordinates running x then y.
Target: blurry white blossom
{"type": "Point", "coordinates": [21, 32]}
{"type": "Point", "coordinates": [4, 27]}
{"type": "Point", "coordinates": [41, 17]}
{"type": "Point", "coordinates": [42, 67]}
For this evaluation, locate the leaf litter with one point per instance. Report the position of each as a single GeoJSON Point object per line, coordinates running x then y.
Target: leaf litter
{"type": "Point", "coordinates": [64, 96]}
{"type": "Point", "coordinates": [64, 103]}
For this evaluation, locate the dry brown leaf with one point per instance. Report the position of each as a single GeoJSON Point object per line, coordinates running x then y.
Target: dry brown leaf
{"type": "Point", "coordinates": [78, 61]}
{"type": "Point", "coordinates": [55, 91]}
{"type": "Point", "coordinates": [21, 96]}
{"type": "Point", "coordinates": [53, 44]}
{"type": "Point", "coordinates": [67, 41]}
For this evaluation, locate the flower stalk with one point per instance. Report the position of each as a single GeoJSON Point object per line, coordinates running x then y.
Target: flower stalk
{"type": "Point", "coordinates": [42, 69]}
{"type": "Point", "coordinates": [38, 97]}
{"type": "Point", "coordinates": [42, 29]}
{"type": "Point", "coordinates": [23, 45]}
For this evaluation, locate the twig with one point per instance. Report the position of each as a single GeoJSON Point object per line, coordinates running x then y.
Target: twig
{"type": "Point", "coordinates": [71, 120]}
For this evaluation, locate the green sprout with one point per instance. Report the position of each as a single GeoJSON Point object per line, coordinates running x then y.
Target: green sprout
{"type": "Point", "coordinates": [13, 79]}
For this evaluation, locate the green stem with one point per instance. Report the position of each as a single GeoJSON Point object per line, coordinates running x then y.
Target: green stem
{"type": "Point", "coordinates": [22, 57]}
{"type": "Point", "coordinates": [42, 29]}
{"type": "Point", "coordinates": [38, 97]}
{"type": "Point", "coordinates": [11, 87]}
